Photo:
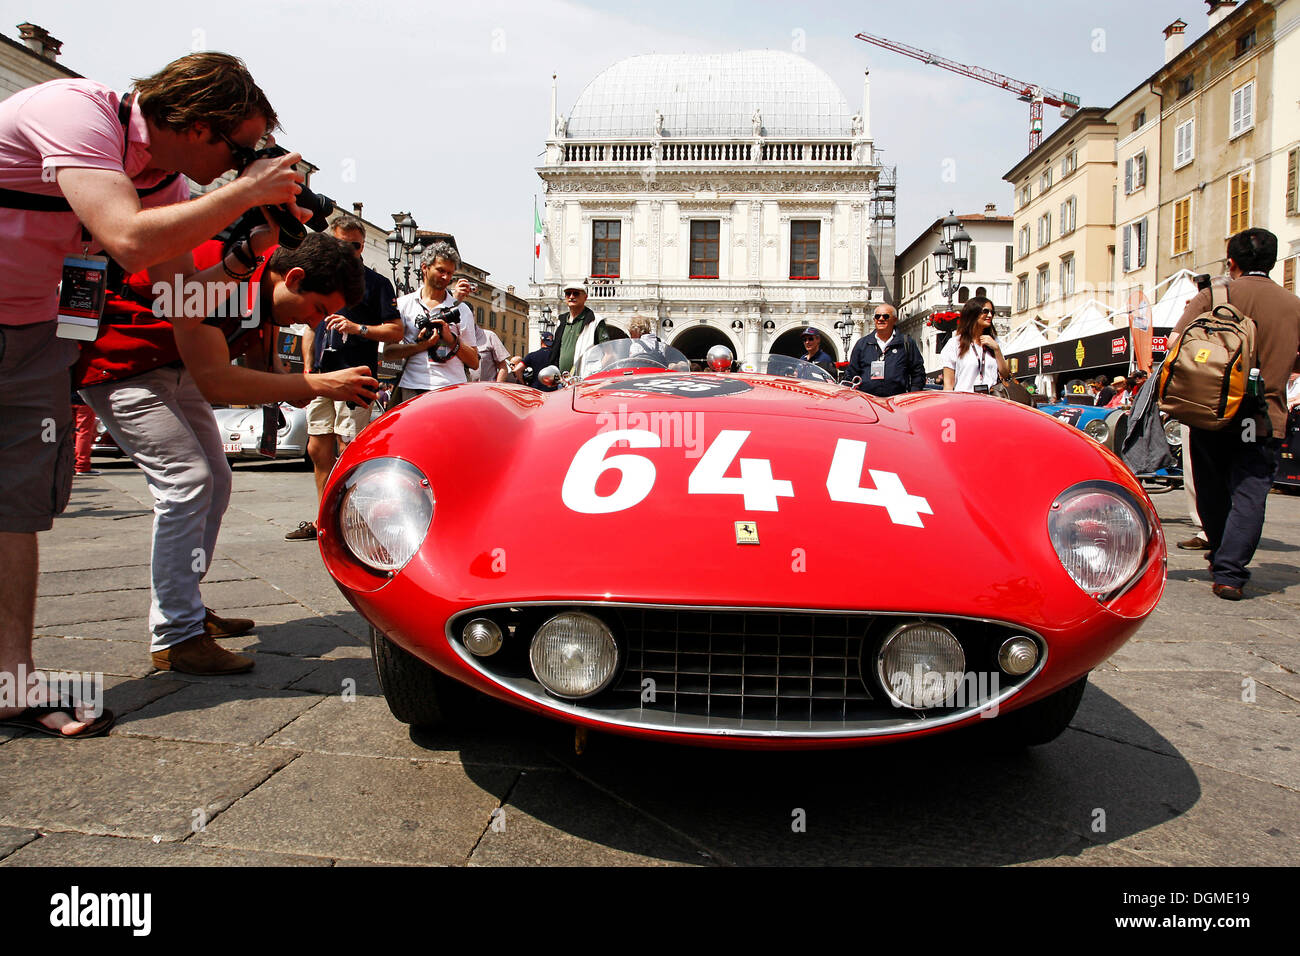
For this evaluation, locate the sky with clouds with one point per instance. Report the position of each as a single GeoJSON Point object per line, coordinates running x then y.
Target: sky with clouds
{"type": "Point", "coordinates": [443, 109]}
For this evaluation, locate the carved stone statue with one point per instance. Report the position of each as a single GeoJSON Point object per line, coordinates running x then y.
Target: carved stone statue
{"type": "Point", "coordinates": [856, 122]}
{"type": "Point", "coordinates": [561, 126]}
{"type": "Point", "coordinates": [659, 123]}
{"type": "Point", "coordinates": [758, 122]}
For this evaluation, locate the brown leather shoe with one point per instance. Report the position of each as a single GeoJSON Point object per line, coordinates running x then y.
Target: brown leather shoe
{"type": "Point", "coordinates": [214, 626]}
{"type": "Point", "coordinates": [1228, 592]}
{"type": "Point", "coordinates": [1194, 544]}
{"type": "Point", "coordinates": [203, 656]}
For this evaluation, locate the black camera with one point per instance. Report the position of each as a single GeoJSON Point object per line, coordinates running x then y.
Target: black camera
{"type": "Point", "coordinates": [430, 323]}
{"type": "Point", "coordinates": [292, 232]}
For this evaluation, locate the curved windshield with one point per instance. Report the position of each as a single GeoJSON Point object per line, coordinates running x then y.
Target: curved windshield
{"type": "Point", "coordinates": [646, 352]}
{"type": "Point", "coordinates": [785, 365]}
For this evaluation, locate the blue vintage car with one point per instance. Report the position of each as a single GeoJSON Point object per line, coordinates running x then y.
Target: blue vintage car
{"type": "Point", "coordinates": [1107, 426]}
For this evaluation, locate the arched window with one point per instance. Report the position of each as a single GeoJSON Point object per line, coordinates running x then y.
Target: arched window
{"type": "Point", "coordinates": [981, 292]}
{"type": "Point", "coordinates": [963, 294]}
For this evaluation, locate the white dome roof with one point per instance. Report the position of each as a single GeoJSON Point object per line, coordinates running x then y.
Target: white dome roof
{"type": "Point", "coordinates": [711, 94]}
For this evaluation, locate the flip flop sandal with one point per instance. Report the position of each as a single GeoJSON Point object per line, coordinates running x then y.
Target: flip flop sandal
{"type": "Point", "coordinates": [29, 719]}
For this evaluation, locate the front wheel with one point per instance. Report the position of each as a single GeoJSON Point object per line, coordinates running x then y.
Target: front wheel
{"type": "Point", "coordinates": [1042, 721]}
{"type": "Point", "coordinates": [417, 694]}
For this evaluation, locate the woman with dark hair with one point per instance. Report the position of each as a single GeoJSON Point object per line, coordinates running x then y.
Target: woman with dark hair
{"type": "Point", "coordinates": [972, 359]}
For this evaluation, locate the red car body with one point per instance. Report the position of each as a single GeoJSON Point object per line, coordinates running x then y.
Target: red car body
{"type": "Point", "coordinates": [501, 461]}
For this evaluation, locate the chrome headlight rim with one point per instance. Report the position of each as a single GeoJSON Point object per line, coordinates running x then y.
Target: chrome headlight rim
{"type": "Point", "coordinates": [886, 684]}
{"type": "Point", "coordinates": [615, 669]}
{"type": "Point", "coordinates": [371, 470]}
{"type": "Point", "coordinates": [1145, 519]}
{"type": "Point", "coordinates": [1097, 430]}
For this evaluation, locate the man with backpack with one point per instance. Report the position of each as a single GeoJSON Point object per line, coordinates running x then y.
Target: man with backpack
{"type": "Point", "coordinates": [1235, 461]}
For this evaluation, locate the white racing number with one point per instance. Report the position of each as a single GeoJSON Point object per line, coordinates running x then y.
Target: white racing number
{"type": "Point", "coordinates": [755, 483]}
{"type": "Point", "coordinates": [761, 491]}
{"type": "Point", "coordinates": [637, 473]}
{"type": "Point", "coordinates": [889, 493]}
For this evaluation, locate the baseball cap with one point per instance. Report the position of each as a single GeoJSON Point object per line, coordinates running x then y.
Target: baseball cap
{"type": "Point", "coordinates": [574, 284]}
{"type": "Point", "coordinates": [809, 331]}
{"type": "Point", "coordinates": [547, 337]}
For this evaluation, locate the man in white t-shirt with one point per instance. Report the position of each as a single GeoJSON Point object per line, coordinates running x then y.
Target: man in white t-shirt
{"type": "Point", "coordinates": [493, 359]}
{"type": "Point", "coordinates": [437, 358]}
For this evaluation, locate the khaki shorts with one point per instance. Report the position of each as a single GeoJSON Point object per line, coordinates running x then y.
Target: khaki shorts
{"type": "Point", "coordinates": [325, 416]}
{"type": "Point", "coordinates": [36, 431]}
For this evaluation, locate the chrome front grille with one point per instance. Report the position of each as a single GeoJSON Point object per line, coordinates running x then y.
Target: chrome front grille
{"type": "Point", "coordinates": [744, 665]}
{"type": "Point", "coordinates": [726, 671]}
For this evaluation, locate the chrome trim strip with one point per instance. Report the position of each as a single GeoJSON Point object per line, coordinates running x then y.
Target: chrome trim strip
{"type": "Point", "coordinates": [730, 727]}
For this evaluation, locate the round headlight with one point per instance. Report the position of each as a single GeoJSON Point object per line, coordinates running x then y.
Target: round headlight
{"type": "Point", "coordinates": [1173, 432]}
{"type": "Point", "coordinates": [1097, 429]}
{"type": "Point", "coordinates": [920, 665]}
{"type": "Point", "coordinates": [385, 513]}
{"type": "Point", "coordinates": [483, 637]}
{"type": "Point", "coordinates": [1099, 536]}
{"type": "Point", "coordinates": [573, 655]}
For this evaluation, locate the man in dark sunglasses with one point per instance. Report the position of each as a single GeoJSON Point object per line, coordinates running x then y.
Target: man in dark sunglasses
{"type": "Point", "coordinates": [887, 361]}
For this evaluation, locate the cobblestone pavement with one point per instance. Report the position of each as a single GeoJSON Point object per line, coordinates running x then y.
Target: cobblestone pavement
{"type": "Point", "coordinates": [1166, 763]}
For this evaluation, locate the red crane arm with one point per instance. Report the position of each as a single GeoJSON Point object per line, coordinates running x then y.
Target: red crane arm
{"type": "Point", "coordinates": [1024, 90]}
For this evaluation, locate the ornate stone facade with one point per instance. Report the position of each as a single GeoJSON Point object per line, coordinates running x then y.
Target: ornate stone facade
{"type": "Point", "coordinates": [705, 167]}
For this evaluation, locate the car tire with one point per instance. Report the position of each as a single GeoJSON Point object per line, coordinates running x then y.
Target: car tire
{"type": "Point", "coordinates": [417, 694]}
{"type": "Point", "coordinates": [1042, 721]}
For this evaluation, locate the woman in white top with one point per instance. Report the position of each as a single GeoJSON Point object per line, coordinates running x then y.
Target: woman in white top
{"type": "Point", "coordinates": [972, 359]}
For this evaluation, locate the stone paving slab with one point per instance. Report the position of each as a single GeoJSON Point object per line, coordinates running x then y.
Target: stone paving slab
{"type": "Point", "coordinates": [553, 819]}
{"type": "Point", "coordinates": [11, 838]}
{"type": "Point", "coordinates": [125, 786]}
{"type": "Point", "coordinates": [109, 606]}
{"type": "Point", "coordinates": [310, 638]}
{"type": "Point", "coordinates": [371, 808]}
{"type": "Point", "coordinates": [329, 676]}
{"type": "Point", "coordinates": [77, 850]}
{"type": "Point", "coordinates": [124, 658]}
{"type": "Point", "coordinates": [365, 727]}
{"type": "Point", "coordinates": [125, 578]}
{"type": "Point", "coordinates": [217, 713]}
{"type": "Point", "coordinates": [1191, 656]}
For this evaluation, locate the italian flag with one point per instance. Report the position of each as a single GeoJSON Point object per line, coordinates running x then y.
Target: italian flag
{"type": "Point", "coordinates": [537, 233]}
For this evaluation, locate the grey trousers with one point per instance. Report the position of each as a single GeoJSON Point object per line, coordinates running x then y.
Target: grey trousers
{"type": "Point", "coordinates": [167, 427]}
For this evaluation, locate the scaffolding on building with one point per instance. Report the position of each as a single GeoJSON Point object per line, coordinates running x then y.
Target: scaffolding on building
{"type": "Point", "coordinates": [880, 269]}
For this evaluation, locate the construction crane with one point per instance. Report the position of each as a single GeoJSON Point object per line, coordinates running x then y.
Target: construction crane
{"type": "Point", "coordinates": [1031, 93]}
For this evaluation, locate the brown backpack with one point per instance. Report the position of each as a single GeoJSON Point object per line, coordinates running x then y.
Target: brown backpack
{"type": "Point", "coordinates": [1203, 379]}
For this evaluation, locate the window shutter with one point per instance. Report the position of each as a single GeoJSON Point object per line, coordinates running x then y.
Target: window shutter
{"type": "Point", "coordinates": [1128, 230]}
{"type": "Point", "coordinates": [1292, 173]}
{"type": "Point", "coordinates": [1142, 243]}
{"type": "Point", "coordinates": [1128, 175]}
{"type": "Point", "coordinates": [970, 258]}
{"type": "Point", "coordinates": [1010, 255]}
{"type": "Point", "coordinates": [1248, 105]}
{"type": "Point", "coordinates": [1288, 274]}
{"type": "Point", "coordinates": [1141, 170]}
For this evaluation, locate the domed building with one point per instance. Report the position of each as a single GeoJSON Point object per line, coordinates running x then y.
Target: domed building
{"type": "Point", "coordinates": [735, 198]}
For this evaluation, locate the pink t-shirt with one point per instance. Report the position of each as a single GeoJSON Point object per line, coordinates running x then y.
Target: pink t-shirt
{"type": "Point", "coordinates": [58, 124]}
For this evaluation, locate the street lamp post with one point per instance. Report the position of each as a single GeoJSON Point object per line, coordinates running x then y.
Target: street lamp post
{"type": "Point", "coordinates": [950, 257]}
{"type": "Point", "coordinates": [402, 247]}
{"type": "Point", "coordinates": [845, 327]}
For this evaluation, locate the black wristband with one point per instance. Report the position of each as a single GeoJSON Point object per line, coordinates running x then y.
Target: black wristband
{"type": "Point", "coordinates": [243, 251]}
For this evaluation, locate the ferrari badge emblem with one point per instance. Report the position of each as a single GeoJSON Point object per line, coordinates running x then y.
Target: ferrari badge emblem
{"type": "Point", "coordinates": [746, 532]}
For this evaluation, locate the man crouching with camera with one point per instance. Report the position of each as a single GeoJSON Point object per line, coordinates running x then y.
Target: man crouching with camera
{"type": "Point", "coordinates": [440, 340]}
{"type": "Point", "coordinates": [151, 383]}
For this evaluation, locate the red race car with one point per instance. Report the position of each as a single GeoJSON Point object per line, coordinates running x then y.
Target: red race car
{"type": "Point", "coordinates": [755, 559]}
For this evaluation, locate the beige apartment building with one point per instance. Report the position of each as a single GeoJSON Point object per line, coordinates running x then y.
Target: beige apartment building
{"type": "Point", "coordinates": [1228, 137]}
{"type": "Point", "coordinates": [1136, 189]}
{"type": "Point", "coordinates": [1064, 225]}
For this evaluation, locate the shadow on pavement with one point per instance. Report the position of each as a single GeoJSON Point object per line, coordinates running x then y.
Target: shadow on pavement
{"type": "Point", "coordinates": [940, 801]}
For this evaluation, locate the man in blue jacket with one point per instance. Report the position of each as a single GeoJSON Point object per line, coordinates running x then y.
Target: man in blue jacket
{"type": "Point", "coordinates": [887, 362]}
